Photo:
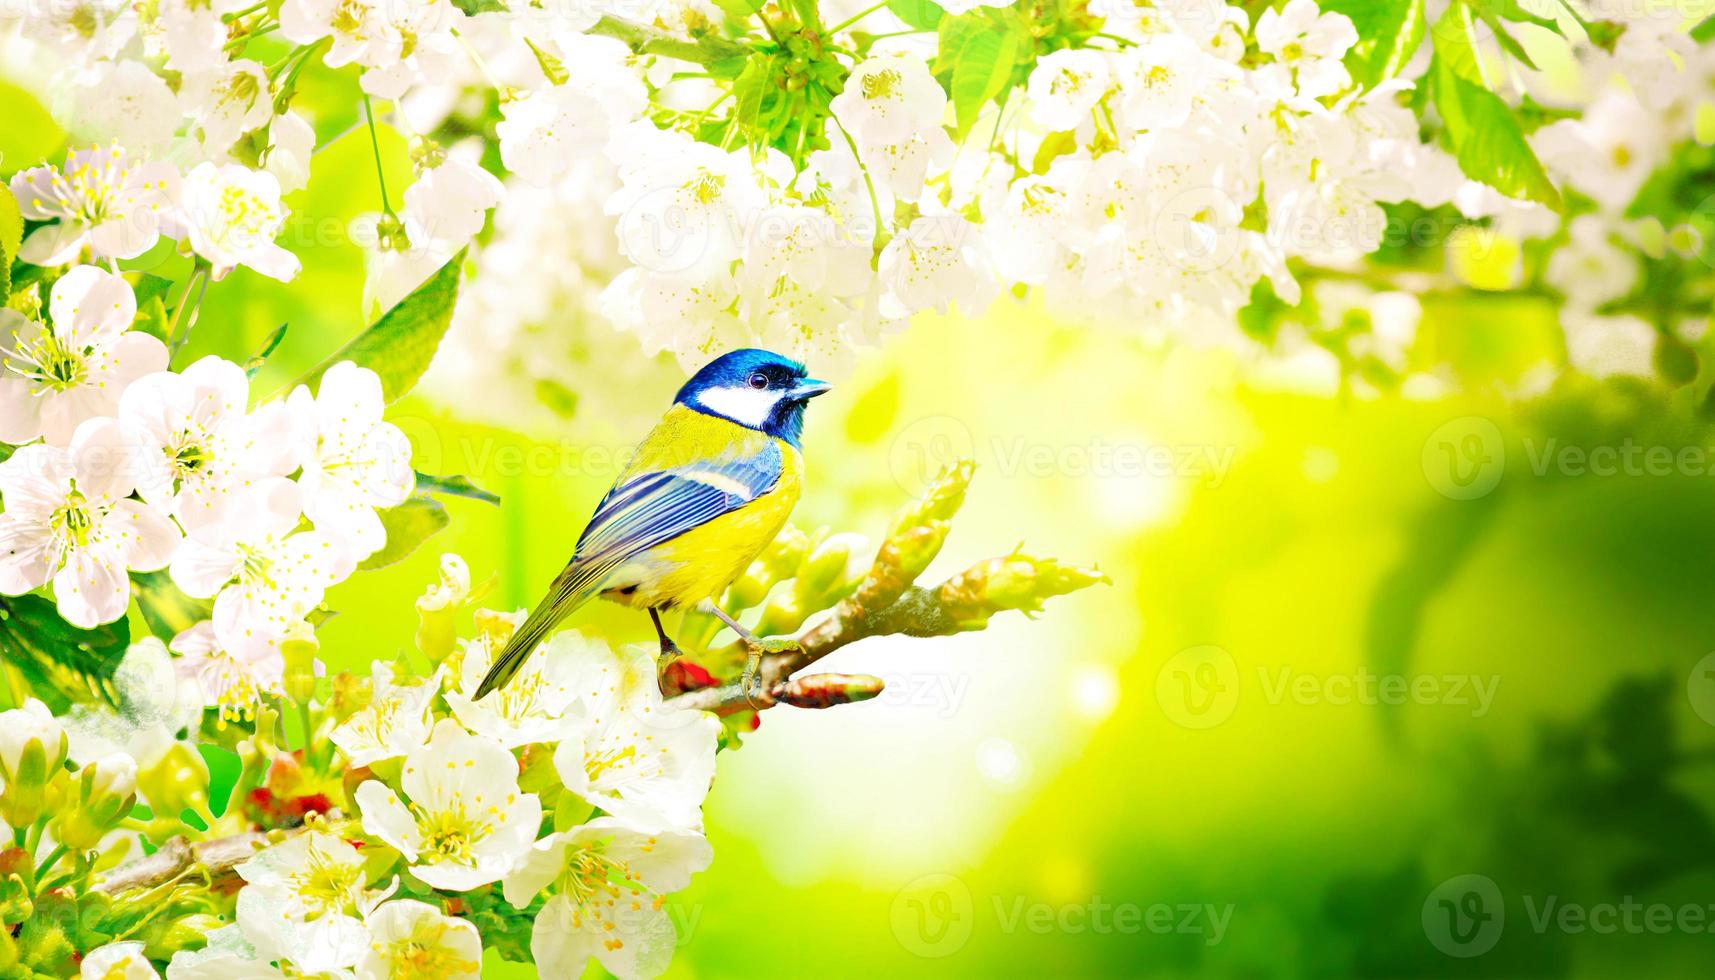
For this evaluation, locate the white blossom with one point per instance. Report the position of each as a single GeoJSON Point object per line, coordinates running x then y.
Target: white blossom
{"type": "Point", "coordinates": [196, 442]}
{"type": "Point", "coordinates": [1308, 43]}
{"type": "Point", "coordinates": [304, 900]}
{"type": "Point", "coordinates": [232, 215]}
{"type": "Point", "coordinates": [55, 376]}
{"type": "Point", "coordinates": [608, 880]}
{"type": "Point", "coordinates": [414, 940]}
{"type": "Point", "coordinates": [395, 722]}
{"type": "Point", "coordinates": [353, 462]}
{"type": "Point", "coordinates": [67, 521]}
{"type": "Point", "coordinates": [633, 756]}
{"type": "Point", "coordinates": [467, 823]}
{"type": "Point", "coordinates": [104, 199]}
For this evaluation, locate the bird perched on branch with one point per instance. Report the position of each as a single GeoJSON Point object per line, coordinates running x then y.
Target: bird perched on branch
{"type": "Point", "coordinates": [707, 490]}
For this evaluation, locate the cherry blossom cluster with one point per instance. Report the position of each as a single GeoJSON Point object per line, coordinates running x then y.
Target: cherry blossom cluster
{"type": "Point", "coordinates": [126, 466]}
{"type": "Point", "coordinates": [811, 176]}
{"type": "Point", "coordinates": [455, 792]}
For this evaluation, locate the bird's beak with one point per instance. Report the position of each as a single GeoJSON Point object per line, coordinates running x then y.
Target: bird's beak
{"type": "Point", "coordinates": [808, 389]}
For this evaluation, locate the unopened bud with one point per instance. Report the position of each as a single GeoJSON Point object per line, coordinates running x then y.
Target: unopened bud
{"type": "Point", "coordinates": [32, 752]}
{"type": "Point", "coordinates": [941, 499]}
{"type": "Point", "coordinates": [827, 690]}
{"type": "Point", "coordinates": [1015, 582]}
{"type": "Point", "coordinates": [101, 795]}
{"type": "Point", "coordinates": [783, 556]}
{"type": "Point", "coordinates": [437, 607]}
{"type": "Point", "coordinates": [178, 781]}
{"type": "Point", "coordinates": [829, 571]}
{"type": "Point", "coordinates": [300, 671]}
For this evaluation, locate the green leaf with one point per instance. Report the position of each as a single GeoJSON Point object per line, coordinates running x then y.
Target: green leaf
{"type": "Point", "coordinates": [455, 486]}
{"type": "Point", "coordinates": [167, 611]}
{"type": "Point", "coordinates": [408, 526]}
{"type": "Point", "coordinates": [400, 344]}
{"type": "Point", "coordinates": [1705, 29]}
{"type": "Point", "coordinates": [470, 8]}
{"type": "Point", "coordinates": [981, 72]}
{"type": "Point", "coordinates": [1486, 138]}
{"type": "Point", "coordinates": [1454, 45]}
{"type": "Point", "coordinates": [62, 663]}
{"type": "Point", "coordinates": [552, 67]}
{"type": "Point", "coordinates": [11, 237]}
{"type": "Point", "coordinates": [254, 364]}
{"type": "Point", "coordinates": [921, 15]}
{"type": "Point", "coordinates": [1389, 32]}
{"type": "Point", "coordinates": [1505, 39]}
{"type": "Point", "coordinates": [951, 35]}
{"type": "Point", "coordinates": [1514, 10]}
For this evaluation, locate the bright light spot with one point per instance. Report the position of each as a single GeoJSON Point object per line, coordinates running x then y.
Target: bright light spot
{"type": "Point", "coordinates": [1320, 464]}
{"type": "Point", "coordinates": [999, 762]}
{"type": "Point", "coordinates": [1095, 691]}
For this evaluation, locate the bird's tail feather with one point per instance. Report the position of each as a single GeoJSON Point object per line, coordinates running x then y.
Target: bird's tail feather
{"type": "Point", "coordinates": [575, 586]}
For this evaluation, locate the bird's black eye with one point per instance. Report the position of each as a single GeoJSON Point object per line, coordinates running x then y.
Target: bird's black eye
{"type": "Point", "coordinates": [758, 380]}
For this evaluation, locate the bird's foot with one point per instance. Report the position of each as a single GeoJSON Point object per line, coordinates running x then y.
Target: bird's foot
{"type": "Point", "coordinates": [669, 652]}
{"type": "Point", "coordinates": [750, 682]}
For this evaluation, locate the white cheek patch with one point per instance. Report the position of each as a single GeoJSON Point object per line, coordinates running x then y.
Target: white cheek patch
{"type": "Point", "coordinates": [746, 406]}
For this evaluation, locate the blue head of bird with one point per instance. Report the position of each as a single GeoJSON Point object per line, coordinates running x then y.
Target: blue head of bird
{"type": "Point", "coordinates": [757, 389]}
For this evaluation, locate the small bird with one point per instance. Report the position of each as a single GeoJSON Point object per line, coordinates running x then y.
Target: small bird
{"type": "Point", "coordinates": [707, 490]}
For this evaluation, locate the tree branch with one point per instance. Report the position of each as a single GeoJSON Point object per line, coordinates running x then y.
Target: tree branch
{"type": "Point", "coordinates": [886, 602]}
{"type": "Point", "coordinates": [217, 857]}
{"type": "Point", "coordinates": [704, 51]}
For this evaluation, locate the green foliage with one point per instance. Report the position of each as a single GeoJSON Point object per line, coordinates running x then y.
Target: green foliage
{"type": "Point", "coordinates": [401, 344]}
{"type": "Point", "coordinates": [166, 610]}
{"type": "Point", "coordinates": [981, 71]}
{"type": "Point", "coordinates": [254, 364]}
{"type": "Point", "coordinates": [923, 15]}
{"type": "Point", "coordinates": [11, 238]}
{"type": "Point", "coordinates": [408, 526]}
{"type": "Point", "coordinates": [1481, 130]}
{"type": "Point", "coordinates": [62, 664]}
{"type": "Point", "coordinates": [782, 93]}
{"type": "Point", "coordinates": [1389, 32]}
{"type": "Point", "coordinates": [152, 291]}
{"type": "Point", "coordinates": [454, 486]}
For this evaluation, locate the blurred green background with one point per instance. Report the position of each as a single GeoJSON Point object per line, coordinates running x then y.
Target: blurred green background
{"type": "Point", "coordinates": [1382, 687]}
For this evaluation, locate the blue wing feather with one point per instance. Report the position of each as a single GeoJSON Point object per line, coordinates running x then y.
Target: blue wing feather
{"type": "Point", "coordinates": [653, 508]}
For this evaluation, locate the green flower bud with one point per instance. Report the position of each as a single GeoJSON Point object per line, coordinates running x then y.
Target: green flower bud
{"type": "Point", "coordinates": [1015, 582]}
{"type": "Point", "coordinates": [15, 904]}
{"type": "Point", "coordinates": [941, 500]}
{"type": "Point", "coordinates": [102, 794]}
{"type": "Point", "coordinates": [32, 752]}
{"type": "Point", "coordinates": [828, 573]}
{"type": "Point", "coordinates": [188, 932]}
{"type": "Point", "coordinates": [750, 588]}
{"type": "Point", "coordinates": [299, 675]}
{"type": "Point", "coordinates": [783, 556]}
{"type": "Point", "coordinates": [178, 781]}
{"type": "Point", "coordinates": [437, 607]}
{"type": "Point", "coordinates": [782, 615]}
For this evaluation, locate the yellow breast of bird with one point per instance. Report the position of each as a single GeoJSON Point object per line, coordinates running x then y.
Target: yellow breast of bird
{"type": "Point", "coordinates": [702, 562]}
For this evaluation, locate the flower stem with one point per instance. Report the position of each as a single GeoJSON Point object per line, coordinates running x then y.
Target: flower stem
{"type": "Point", "coordinates": [199, 282]}
{"type": "Point", "coordinates": [874, 202]}
{"type": "Point", "coordinates": [375, 145]}
{"type": "Point", "coordinates": [854, 18]}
